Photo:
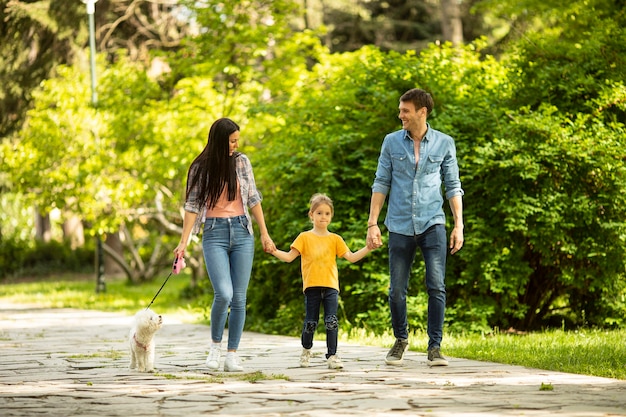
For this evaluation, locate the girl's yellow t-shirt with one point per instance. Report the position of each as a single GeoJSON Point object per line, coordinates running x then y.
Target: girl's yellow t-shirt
{"type": "Point", "coordinates": [319, 258]}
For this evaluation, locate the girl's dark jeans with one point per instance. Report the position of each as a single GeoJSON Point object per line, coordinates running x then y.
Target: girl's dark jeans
{"type": "Point", "coordinates": [314, 297]}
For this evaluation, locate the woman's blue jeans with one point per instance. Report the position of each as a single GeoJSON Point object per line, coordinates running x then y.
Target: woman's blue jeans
{"type": "Point", "coordinates": [402, 250]}
{"type": "Point", "coordinates": [314, 297]}
{"type": "Point", "coordinates": [228, 253]}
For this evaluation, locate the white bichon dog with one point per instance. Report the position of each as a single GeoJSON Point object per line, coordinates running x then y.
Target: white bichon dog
{"type": "Point", "coordinates": [141, 339]}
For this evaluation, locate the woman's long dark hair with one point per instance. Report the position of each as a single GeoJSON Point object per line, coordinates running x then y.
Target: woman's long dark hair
{"type": "Point", "coordinates": [214, 169]}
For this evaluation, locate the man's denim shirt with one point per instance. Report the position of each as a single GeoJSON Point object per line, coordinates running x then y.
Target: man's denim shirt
{"type": "Point", "coordinates": [415, 200]}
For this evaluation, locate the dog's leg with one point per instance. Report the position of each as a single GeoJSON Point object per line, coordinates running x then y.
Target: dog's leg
{"type": "Point", "coordinates": [133, 359]}
{"type": "Point", "coordinates": [141, 361]}
{"type": "Point", "coordinates": [150, 358]}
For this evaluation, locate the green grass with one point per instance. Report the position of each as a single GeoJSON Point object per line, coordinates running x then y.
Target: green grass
{"type": "Point", "coordinates": [588, 352]}
{"type": "Point", "coordinates": [110, 354]}
{"type": "Point", "coordinates": [69, 292]}
{"type": "Point", "coordinates": [251, 377]}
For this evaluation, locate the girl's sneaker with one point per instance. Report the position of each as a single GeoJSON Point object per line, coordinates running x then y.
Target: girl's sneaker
{"type": "Point", "coordinates": [334, 362]}
{"type": "Point", "coordinates": [305, 357]}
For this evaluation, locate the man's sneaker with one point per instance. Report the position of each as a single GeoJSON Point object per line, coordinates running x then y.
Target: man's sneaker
{"type": "Point", "coordinates": [213, 360]}
{"type": "Point", "coordinates": [395, 355]}
{"type": "Point", "coordinates": [305, 357]}
{"type": "Point", "coordinates": [334, 362]}
{"type": "Point", "coordinates": [231, 363]}
{"type": "Point", "coordinates": [435, 358]}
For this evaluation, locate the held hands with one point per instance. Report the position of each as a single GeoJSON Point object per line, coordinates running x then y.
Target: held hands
{"type": "Point", "coordinates": [374, 238]}
{"type": "Point", "coordinates": [268, 243]}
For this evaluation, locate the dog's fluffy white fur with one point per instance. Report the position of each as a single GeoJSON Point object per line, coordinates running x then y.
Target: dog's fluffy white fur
{"type": "Point", "coordinates": [141, 339]}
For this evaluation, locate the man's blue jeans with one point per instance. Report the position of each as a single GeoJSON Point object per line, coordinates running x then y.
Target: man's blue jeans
{"type": "Point", "coordinates": [314, 297]}
{"type": "Point", "coordinates": [402, 250]}
{"type": "Point", "coordinates": [228, 253]}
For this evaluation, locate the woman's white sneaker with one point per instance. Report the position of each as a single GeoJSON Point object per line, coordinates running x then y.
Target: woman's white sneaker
{"type": "Point", "coordinates": [231, 363]}
{"type": "Point", "coordinates": [213, 360]}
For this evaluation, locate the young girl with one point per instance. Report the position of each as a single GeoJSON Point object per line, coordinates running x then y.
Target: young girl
{"type": "Point", "coordinates": [319, 249]}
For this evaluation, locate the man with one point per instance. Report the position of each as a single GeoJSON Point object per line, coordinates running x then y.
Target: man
{"type": "Point", "coordinates": [412, 165]}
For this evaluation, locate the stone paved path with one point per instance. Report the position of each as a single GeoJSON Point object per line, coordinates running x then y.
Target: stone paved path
{"type": "Point", "coordinates": [64, 362]}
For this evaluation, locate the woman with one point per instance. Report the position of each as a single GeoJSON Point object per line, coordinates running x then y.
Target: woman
{"type": "Point", "coordinates": [221, 193]}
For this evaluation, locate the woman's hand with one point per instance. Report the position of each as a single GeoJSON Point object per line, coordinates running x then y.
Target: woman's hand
{"type": "Point", "coordinates": [268, 243]}
{"type": "Point", "coordinates": [179, 251]}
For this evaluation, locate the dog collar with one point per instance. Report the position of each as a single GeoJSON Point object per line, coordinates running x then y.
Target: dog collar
{"type": "Point", "coordinates": [144, 347]}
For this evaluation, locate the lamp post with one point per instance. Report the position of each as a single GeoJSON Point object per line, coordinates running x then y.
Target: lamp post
{"type": "Point", "coordinates": [91, 9]}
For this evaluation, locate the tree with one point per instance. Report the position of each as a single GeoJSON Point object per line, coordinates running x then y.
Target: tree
{"type": "Point", "coordinates": [539, 134]}
{"type": "Point", "coordinates": [34, 38]}
{"type": "Point", "coordinates": [559, 162]}
{"type": "Point", "coordinates": [347, 25]}
{"type": "Point", "coordinates": [37, 36]}
{"type": "Point", "coordinates": [83, 160]}
{"type": "Point", "coordinates": [141, 26]}
{"type": "Point", "coordinates": [56, 34]}
{"type": "Point", "coordinates": [451, 22]}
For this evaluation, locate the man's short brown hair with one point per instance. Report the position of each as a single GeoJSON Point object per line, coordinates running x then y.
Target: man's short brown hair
{"type": "Point", "coordinates": [419, 98]}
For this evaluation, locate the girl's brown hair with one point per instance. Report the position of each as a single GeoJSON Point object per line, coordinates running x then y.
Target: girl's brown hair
{"type": "Point", "coordinates": [319, 199]}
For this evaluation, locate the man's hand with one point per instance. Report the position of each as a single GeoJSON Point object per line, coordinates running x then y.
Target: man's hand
{"type": "Point", "coordinates": [456, 240]}
{"type": "Point", "coordinates": [374, 239]}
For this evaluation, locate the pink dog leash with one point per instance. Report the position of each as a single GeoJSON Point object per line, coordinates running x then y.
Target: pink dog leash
{"type": "Point", "coordinates": [176, 268]}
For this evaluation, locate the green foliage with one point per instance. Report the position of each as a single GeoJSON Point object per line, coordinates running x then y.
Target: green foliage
{"type": "Point", "coordinates": [20, 258]}
{"type": "Point", "coordinates": [555, 216]}
{"type": "Point", "coordinates": [577, 61]}
{"type": "Point", "coordinates": [98, 162]}
{"type": "Point", "coordinates": [35, 37]}
{"type": "Point", "coordinates": [58, 144]}
{"type": "Point", "coordinates": [552, 245]}
{"type": "Point", "coordinates": [12, 254]}
{"type": "Point", "coordinates": [237, 49]}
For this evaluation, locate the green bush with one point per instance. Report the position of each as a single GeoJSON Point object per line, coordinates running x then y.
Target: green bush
{"type": "Point", "coordinates": [12, 254]}
{"type": "Point", "coordinates": [18, 259]}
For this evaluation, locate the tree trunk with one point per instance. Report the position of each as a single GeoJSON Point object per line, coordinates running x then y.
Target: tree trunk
{"type": "Point", "coordinates": [43, 228]}
{"type": "Point", "coordinates": [451, 24]}
{"type": "Point", "coordinates": [111, 267]}
{"type": "Point", "coordinates": [73, 231]}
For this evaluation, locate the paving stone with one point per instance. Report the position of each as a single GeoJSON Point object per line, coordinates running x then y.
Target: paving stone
{"type": "Point", "coordinates": [66, 362]}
